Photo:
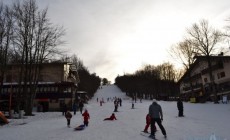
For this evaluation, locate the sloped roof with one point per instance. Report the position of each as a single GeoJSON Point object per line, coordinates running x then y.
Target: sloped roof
{"type": "Point", "coordinates": [203, 58]}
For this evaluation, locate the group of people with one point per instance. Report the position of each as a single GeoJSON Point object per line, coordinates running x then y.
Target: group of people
{"type": "Point", "coordinates": [155, 115]}
{"type": "Point", "coordinates": [85, 115]}
{"type": "Point", "coordinates": [68, 115]}
{"type": "Point", "coordinates": [75, 107]}
{"type": "Point", "coordinates": [86, 118]}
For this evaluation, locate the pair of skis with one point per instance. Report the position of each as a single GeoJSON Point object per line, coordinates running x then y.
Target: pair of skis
{"type": "Point", "coordinates": [146, 134]}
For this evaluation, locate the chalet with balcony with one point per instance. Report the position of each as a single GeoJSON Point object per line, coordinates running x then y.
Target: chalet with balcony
{"type": "Point", "coordinates": [196, 83]}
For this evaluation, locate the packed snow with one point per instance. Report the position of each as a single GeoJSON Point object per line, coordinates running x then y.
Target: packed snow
{"type": "Point", "coordinates": [201, 121]}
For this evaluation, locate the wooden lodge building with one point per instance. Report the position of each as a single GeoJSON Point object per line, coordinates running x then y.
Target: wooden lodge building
{"type": "Point", "coordinates": [57, 84]}
{"type": "Point", "coordinates": [197, 86]}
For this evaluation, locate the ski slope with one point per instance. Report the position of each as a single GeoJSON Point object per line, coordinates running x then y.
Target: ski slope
{"type": "Point", "coordinates": [200, 122]}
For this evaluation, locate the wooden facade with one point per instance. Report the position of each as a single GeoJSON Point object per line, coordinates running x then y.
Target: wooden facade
{"type": "Point", "coordinates": [57, 84]}
{"type": "Point", "coordinates": [196, 83]}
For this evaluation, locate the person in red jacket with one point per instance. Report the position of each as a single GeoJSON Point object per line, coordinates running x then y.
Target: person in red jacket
{"type": "Point", "coordinates": [86, 117]}
{"type": "Point", "coordinates": [148, 122]}
{"type": "Point", "coordinates": [112, 117]}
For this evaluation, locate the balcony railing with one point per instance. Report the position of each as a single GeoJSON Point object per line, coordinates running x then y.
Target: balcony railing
{"type": "Point", "coordinates": [193, 87]}
{"type": "Point", "coordinates": [214, 67]}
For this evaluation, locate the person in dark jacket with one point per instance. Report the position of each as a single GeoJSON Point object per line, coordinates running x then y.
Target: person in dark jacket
{"type": "Point", "coordinates": [64, 109]}
{"type": "Point", "coordinates": [156, 114]}
{"type": "Point", "coordinates": [68, 117]}
{"type": "Point", "coordinates": [81, 105]}
{"type": "Point", "coordinates": [112, 117]}
{"type": "Point", "coordinates": [74, 108]}
{"type": "Point", "coordinates": [180, 108]}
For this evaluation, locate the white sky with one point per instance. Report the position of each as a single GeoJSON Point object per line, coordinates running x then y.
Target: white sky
{"type": "Point", "coordinates": [113, 37]}
{"type": "Point", "coordinates": [200, 121]}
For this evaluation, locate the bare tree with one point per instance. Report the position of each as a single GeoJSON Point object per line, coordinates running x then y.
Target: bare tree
{"type": "Point", "coordinates": [227, 34]}
{"type": "Point", "coordinates": [77, 62]}
{"type": "Point", "coordinates": [36, 40]}
{"type": "Point", "coordinates": [167, 71]}
{"type": "Point", "coordinates": [178, 74]}
{"type": "Point", "coordinates": [6, 35]}
{"type": "Point", "coordinates": [205, 39]}
{"type": "Point", "coordinates": [185, 52]}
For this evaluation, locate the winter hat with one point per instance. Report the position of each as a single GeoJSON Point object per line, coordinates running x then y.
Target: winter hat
{"type": "Point", "coordinates": [154, 101]}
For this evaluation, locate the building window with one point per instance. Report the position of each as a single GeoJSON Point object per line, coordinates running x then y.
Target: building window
{"type": "Point", "coordinates": [221, 75]}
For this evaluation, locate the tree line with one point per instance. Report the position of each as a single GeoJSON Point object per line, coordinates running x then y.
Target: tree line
{"type": "Point", "coordinates": [150, 82]}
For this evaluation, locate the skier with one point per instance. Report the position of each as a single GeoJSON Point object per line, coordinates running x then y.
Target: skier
{"type": "Point", "coordinates": [116, 105]}
{"type": "Point", "coordinates": [148, 122]}
{"type": "Point", "coordinates": [100, 103]}
{"type": "Point", "coordinates": [156, 114]}
{"type": "Point", "coordinates": [132, 104]}
{"type": "Point", "coordinates": [86, 117]}
{"type": "Point", "coordinates": [68, 117]}
{"type": "Point", "coordinates": [120, 102]}
{"type": "Point", "coordinates": [112, 117]}
{"type": "Point", "coordinates": [180, 108]}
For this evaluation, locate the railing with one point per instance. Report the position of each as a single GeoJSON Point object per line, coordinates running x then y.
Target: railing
{"type": "Point", "coordinates": [193, 87]}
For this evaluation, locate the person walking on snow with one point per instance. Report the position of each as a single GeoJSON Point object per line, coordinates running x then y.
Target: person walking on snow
{"type": "Point", "coordinates": [68, 117]}
{"type": "Point", "coordinates": [86, 117]}
{"type": "Point", "coordinates": [180, 108]}
{"type": "Point", "coordinates": [156, 114]}
{"type": "Point", "coordinates": [81, 105]}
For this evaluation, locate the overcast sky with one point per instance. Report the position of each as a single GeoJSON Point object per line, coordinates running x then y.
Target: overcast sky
{"type": "Point", "coordinates": [113, 37]}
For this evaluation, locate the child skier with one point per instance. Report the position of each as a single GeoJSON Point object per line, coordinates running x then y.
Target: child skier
{"type": "Point", "coordinates": [86, 117]}
{"type": "Point", "coordinates": [112, 117]}
{"type": "Point", "coordinates": [68, 117]}
{"type": "Point", "coordinates": [148, 122]}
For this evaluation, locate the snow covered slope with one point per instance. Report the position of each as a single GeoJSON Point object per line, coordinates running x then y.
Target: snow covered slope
{"type": "Point", "coordinates": [200, 122]}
